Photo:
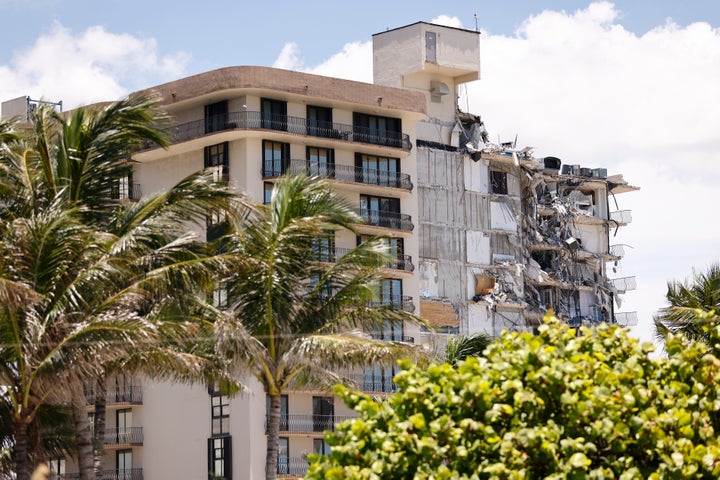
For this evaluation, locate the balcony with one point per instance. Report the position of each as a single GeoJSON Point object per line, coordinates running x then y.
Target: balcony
{"type": "Point", "coordinates": [617, 250]}
{"type": "Point", "coordinates": [399, 262]}
{"type": "Point", "coordinates": [247, 120]}
{"type": "Point", "coordinates": [392, 338]}
{"type": "Point", "coordinates": [343, 173]}
{"type": "Point", "coordinates": [368, 382]}
{"type": "Point", "coordinates": [621, 217]}
{"type": "Point", "coordinates": [124, 436]}
{"type": "Point", "coordinates": [132, 394]}
{"type": "Point", "coordinates": [130, 191]}
{"type": "Point", "coordinates": [626, 319]}
{"type": "Point", "coordinates": [624, 284]}
{"type": "Point", "coordinates": [127, 474]}
{"type": "Point", "coordinates": [299, 423]}
{"type": "Point", "coordinates": [292, 466]}
{"type": "Point", "coordinates": [396, 302]}
{"type": "Point", "coordinates": [386, 219]}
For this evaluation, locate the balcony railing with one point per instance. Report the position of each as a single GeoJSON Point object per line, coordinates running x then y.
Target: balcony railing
{"type": "Point", "coordinates": [125, 474]}
{"type": "Point", "coordinates": [344, 173]}
{"type": "Point", "coordinates": [372, 383]}
{"type": "Point", "coordinates": [624, 284]}
{"type": "Point", "coordinates": [386, 219]}
{"type": "Point", "coordinates": [392, 338]}
{"type": "Point", "coordinates": [130, 394]}
{"type": "Point", "coordinates": [623, 217]}
{"type": "Point", "coordinates": [617, 250]}
{"type": "Point", "coordinates": [399, 262]}
{"type": "Point", "coordinates": [294, 466]}
{"type": "Point", "coordinates": [299, 423]}
{"type": "Point", "coordinates": [247, 120]}
{"type": "Point", "coordinates": [396, 302]}
{"type": "Point", "coordinates": [122, 436]}
{"type": "Point", "coordinates": [126, 192]}
{"type": "Point", "coordinates": [626, 319]}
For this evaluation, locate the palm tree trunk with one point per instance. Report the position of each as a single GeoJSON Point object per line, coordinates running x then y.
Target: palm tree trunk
{"type": "Point", "coordinates": [20, 450]}
{"type": "Point", "coordinates": [99, 425]}
{"type": "Point", "coordinates": [273, 427]}
{"type": "Point", "coordinates": [83, 437]}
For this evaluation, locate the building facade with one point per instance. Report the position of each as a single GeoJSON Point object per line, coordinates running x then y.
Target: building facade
{"type": "Point", "coordinates": [486, 237]}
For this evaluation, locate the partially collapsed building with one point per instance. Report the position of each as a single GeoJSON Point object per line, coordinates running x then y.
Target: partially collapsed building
{"type": "Point", "coordinates": [484, 236]}
{"type": "Point", "coordinates": [503, 235]}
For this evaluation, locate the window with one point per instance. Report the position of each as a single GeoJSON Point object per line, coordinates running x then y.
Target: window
{"type": "Point", "coordinates": [323, 414]}
{"type": "Point", "coordinates": [324, 248]}
{"type": "Point", "coordinates": [220, 296]}
{"type": "Point", "coordinates": [321, 162]}
{"type": "Point", "coordinates": [220, 411]}
{"type": "Point", "coordinates": [321, 447]}
{"type": "Point", "coordinates": [57, 466]}
{"type": "Point", "coordinates": [267, 193]}
{"type": "Point", "coordinates": [220, 457]}
{"type": "Point", "coordinates": [283, 459]}
{"type": "Point", "coordinates": [498, 182]}
{"type": "Point", "coordinates": [215, 226]}
{"type": "Point", "coordinates": [380, 211]}
{"type": "Point", "coordinates": [123, 462]}
{"type": "Point", "coordinates": [319, 121]}
{"type": "Point", "coordinates": [276, 158]}
{"type": "Point", "coordinates": [216, 116]}
{"type": "Point", "coordinates": [396, 250]}
{"type": "Point", "coordinates": [124, 189]}
{"type": "Point", "coordinates": [389, 293]}
{"type": "Point", "coordinates": [377, 130]}
{"type": "Point", "coordinates": [124, 425]}
{"type": "Point", "coordinates": [283, 411]}
{"type": "Point", "coordinates": [379, 379]}
{"type": "Point", "coordinates": [274, 114]}
{"type": "Point", "coordinates": [216, 159]}
{"type": "Point", "coordinates": [376, 170]}
{"type": "Point", "coordinates": [547, 297]}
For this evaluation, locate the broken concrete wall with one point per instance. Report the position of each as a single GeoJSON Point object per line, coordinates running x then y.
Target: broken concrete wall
{"type": "Point", "coordinates": [479, 320]}
{"type": "Point", "coordinates": [476, 175]}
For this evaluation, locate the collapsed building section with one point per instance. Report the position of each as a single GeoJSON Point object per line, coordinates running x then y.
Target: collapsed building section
{"type": "Point", "coordinates": [504, 236]}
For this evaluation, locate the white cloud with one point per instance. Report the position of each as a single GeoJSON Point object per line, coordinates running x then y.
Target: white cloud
{"type": "Point", "coordinates": [353, 62]}
{"type": "Point", "coordinates": [87, 67]}
{"type": "Point", "coordinates": [448, 21]}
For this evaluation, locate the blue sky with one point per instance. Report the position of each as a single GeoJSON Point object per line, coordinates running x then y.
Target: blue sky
{"type": "Point", "coordinates": [632, 86]}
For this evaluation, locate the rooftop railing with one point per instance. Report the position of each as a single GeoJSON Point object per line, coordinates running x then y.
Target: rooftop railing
{"type": "Point", "coordinates": [249, 120]}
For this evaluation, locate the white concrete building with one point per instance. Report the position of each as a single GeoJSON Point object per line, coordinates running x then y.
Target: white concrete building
{"type": "Point", "coordinates": [487, 236]}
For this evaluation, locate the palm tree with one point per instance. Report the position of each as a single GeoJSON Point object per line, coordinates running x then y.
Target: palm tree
{"type": "Point", "coordinates": [692, 304]}
{"type": "Point", "coordinates": [84, 279]}
{"type": "Point", "coordinates": [459, 347]}
{"type": "Point", "coordinates": [293, 319]}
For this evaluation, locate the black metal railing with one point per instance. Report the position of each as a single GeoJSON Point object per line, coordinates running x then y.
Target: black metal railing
{"type": "Point", "coordinates": [343, 173]}
{"type": "Point", "coordinates": [386, 219]}
{"type": "Point", "coordinates": [295, 466]}
{"type": "Point", "coordinates": [389, 337]}
{"type": "Point", "coordinates": [396, 302]}
{"type": "Point", "coordinates": [372, 383]}
{"type": "Point", "coordinates": [300, 423]}
{"type": "Point", "coordinates": [124, 435]}
{"type": "Point", "coordinates": [130, 191]}
{"type": "Point", "coordinates": [129, 394]}
{"type": "Point", "coordinates": [399, 262]}
{"type": "Point", "coordinates": [123, 474]}
{"type": "Point", "coordinates": [248, 120]}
